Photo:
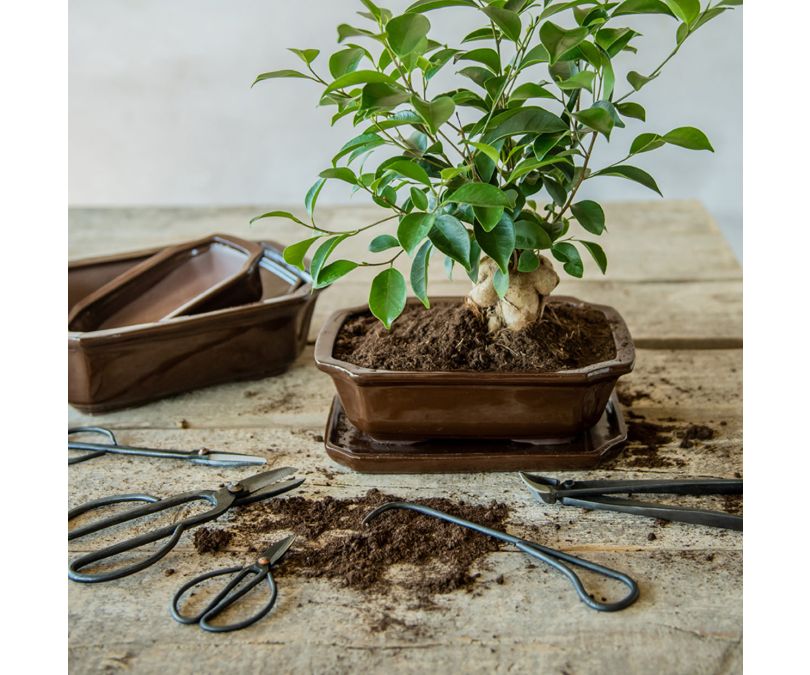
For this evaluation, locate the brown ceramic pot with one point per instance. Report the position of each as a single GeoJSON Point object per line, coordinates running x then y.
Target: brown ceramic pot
{"type": "Point", "coordinates": [119, 367]}
{"type": "Point", "coordinates": [418, 405]}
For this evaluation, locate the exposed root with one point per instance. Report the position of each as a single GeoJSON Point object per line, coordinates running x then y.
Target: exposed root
{"type": "Point", "coordinates": [524, 301]}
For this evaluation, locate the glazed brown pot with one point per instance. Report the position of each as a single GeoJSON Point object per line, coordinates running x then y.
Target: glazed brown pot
{"type": "Point", "coordinates": [418, 405]}
{"type": "Point", "coordinates": [120, 367]}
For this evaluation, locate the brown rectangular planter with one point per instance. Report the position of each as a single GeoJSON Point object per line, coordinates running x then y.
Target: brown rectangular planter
{"type": "Point", "coordinates": [130, 365]}
{"type": "Point", "coordinates": [414, 405]}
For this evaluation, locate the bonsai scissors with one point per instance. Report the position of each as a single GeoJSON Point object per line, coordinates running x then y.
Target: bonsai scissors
{"type": "Point", "coordinates": [256, 488]}
{"type": "Point", "coordinates": [202, 456]}
{"type": "Point", "coordinates": [228, 596]}
{"type": "Point", "coordinates": [591, 494]}
{"type": "Point", "coordinates": [550, 556]}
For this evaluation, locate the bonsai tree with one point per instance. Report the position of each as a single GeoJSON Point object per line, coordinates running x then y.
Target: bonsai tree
{"type": "Point", "coordinates": [489, 173]}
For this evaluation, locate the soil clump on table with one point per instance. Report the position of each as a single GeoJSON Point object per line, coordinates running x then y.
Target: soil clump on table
{"type": "Point", "coordinates": [438, 557]}
{"type": "Point", "coordinates": [208, 540]}
{"type": "Point", "coordinates": [455, 337]}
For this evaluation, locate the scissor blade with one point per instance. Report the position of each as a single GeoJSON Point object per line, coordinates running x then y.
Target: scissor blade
{"type": "Point", "coordinates": [228, 459]}
{"type": "Point", "coordinates": [277, 551]}
{"type": "Point", "coordinates": [270, 491]}
{"type": "Point", "coordinates": [543, 486]}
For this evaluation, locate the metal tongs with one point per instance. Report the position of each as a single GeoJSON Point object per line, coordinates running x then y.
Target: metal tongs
{"type": "Point", "coordinates": [202, 456]}
{"type": "Point", "coordinates": [591, 494]}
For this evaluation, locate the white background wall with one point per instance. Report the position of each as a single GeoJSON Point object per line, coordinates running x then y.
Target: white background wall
{"type": "Point", "coordinates": [161, 110]}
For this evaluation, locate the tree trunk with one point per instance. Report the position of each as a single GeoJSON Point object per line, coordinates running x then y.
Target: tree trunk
{"type": "Point", "coordinates": [524, 301]}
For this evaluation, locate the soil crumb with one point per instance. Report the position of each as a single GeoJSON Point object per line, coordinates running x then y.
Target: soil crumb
{"type": "Point", "coordinates": [207, 540]}
{"type": "Point", "coordinates": [454, 337]}
{"type": "Point", "coordinates": [696, 432]}
{"type": "Point", "coordinates": [437, 557]}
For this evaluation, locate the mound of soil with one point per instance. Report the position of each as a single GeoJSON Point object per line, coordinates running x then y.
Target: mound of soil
{"type": "Point", "coordinates": [455, 337]}
{"type": "Point", "coordinates": [334, 544]}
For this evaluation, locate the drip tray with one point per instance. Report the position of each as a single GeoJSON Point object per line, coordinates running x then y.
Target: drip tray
{"type": "Point", "coordinates": [352, 448]}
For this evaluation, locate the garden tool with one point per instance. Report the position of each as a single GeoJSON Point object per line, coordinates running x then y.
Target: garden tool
{"type": "Point", "coordinates": [202, 456]}
{"type": "Point", "coordinates": [592, 494]}
{"type": "Point", "coordinates": [256, 488]}
{"type": "Point", "coordinates": [257, 572]}
{"type": "Point", "coordinates": [550, 556]}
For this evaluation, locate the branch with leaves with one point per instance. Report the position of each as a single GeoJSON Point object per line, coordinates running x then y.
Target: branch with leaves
{"type": "Point", "coordinates": [469, 163]}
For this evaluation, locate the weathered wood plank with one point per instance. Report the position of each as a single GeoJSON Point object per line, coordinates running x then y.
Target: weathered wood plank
{"type": "Point", "coordinates": [671, 240]}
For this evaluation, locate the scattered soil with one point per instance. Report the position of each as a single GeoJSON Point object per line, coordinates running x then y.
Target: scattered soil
{"type": "Point", "coordinates": [207, 540]}
{"type": "Point", "coordinates": [334, 544]}
{"type": "Point", "coordinates": [696, 432]}
{"type": "Point", "coordinates": [454, 337]}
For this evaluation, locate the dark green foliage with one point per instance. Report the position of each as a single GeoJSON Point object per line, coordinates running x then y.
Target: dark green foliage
{"type": "Point", "coordinates": [462, 171]}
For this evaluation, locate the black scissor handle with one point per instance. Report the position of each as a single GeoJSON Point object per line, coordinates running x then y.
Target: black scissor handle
{"type": "Point", "coordinates": [220, 501]}
{"type": "Point", "coordinates": [89, 454]}
{"type": "Point", "coordinates": [226, 598]}
{"type": "Point", "coordinates": [554, 558]}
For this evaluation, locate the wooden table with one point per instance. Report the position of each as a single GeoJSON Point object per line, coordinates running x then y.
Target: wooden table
{"type": "Point", "coordinates": [677, 284]}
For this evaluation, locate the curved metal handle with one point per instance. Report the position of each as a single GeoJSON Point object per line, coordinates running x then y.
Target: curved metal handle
{"type": "Point", "coordinates": [554, 557]}
{"type": "Point", "coordinates": [171, 532]}
{"type": "Point", "coordinates": [226, 598]}
{"type": "Point", "coordinates": [91, 454]}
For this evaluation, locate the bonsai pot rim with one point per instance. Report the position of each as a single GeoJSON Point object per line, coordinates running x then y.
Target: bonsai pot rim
{"type": "Point", "coordinates": [620, 364]}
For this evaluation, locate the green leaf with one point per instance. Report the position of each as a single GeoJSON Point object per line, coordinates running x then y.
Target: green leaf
{"type": "Point", "coordinates": [631, 173]}
{"type": "Point", "coordinates": [379, 95]}
{"type": "Point", "coordinates": [387, 297]}
{"type": "Point", "coordinates": [530, 235]}
{"type": "Point", "coordinates": [689, 138]}
{"type": "Point", "coordinates": [558, 40]}
{"type": "Point", "coordinates": [340, 173]}
{"type": "Point", "coordinates": [526, 120]}
{"type": "Point", "coordinates": [686, 10]}
{"type": "Point", "coordinates": [428, 5]}
{"type": "Point", "coordinates": [597, 253]}
{"type": "Point", "coordinates": [419, 199]}
{"type": "Point", "coordinates": [528, 261]}
{"type": "Point", "coordinates": [531, 164]}
{"type": "Point", "coordinates": [500, 282]}
{"type": "Point", "coordinates": [477, 74]}
{"type": "Point", "coordinates": [382, 242]}
{"type": "Point", "coordinates": [642, 7]}
{"type": "Point", "coordinates": [475, 260]}
{"type": "Point", "coordinates": [277, 214]}
{"type": "Point", "coordinates": [487, 149]}
{"type": "Point", "coordinates": [413, 228]}
{"type": "Point", "coordinates": [363, 142]}
{"type": "Point", "coordinates": [544, 143]}
{"type": "Point", "coordinates": [499, 242]}
{"type": "Point", "coordinates": [537, 54]}
{"type": "Point", "coordinates": [507, 20]}
{"type": "Point", "coordinates": [406, 32]}
{"type": "Point", "coordinates": [451, 238]}
{"type": "Point", "coordinates": [312, 195]}
{"type": "Point", "coordinates": [419, 273]}
{"type": "Point", "coordinates": [637, 81]}
{"type": "Point", "coordinates": [645, 142]}
{"type": "Point", "coordinates": [590, 215]}
{"type": "Point", "coordinates": [435, 113]}
{"type": "Point", "coordinates": [488, 216]}
{"type": "Point", "coordinates": [596, 118]}
{"type": "Point", "coordinates": [306, 55]}
{"type": "Point", "coordinates": [485, 33]}
{"type": "Point", "coordinates": [581, 80]}
{"type": "Point", "coordinates": [322, 253]}
{"type": "Point", "coordinates": [294, 253]}
{"type": "Point", "coordinates": [633, 110]}
{"type": "Point", "coordinates": [333, 271]}
{"type": "Point", "coordinates": [409, 169]}
{"type": "Point", "coordinates": [489, 57]}
{"type": "Point", "coordinates": [345, 30]}
{"type": "Point", "coordinates": [568, 255]}
{"type": "Point", "coordinates": [613, 40]}
{"type": "Point", "coordinates": [529, 90]}
{"type": "Point", "coordinates": [279, 74]}
{"type": "Point", "coordinates": [480, 194]}
{"type": "Point", "coordinates": [345, 61]}
{"type": "Point", "coordinates": [358, 77]}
